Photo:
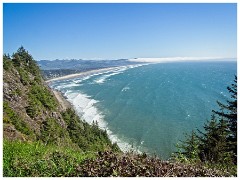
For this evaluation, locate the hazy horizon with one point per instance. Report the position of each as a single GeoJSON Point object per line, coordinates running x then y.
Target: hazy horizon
{"type": "Point", "coordinates": [148, 59]}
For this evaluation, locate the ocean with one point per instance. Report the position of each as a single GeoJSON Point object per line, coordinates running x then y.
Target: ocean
{"type": "Point", "coordinates": [150, 107]}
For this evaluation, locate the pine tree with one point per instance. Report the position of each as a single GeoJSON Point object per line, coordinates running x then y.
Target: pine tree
{"type": "Point", "coordinates": [188, 149]}
{"type": "Point", "coordinates": [208, 140]}
{"type": "Point", "coordinates": [6, 62]}
{"type": "Point", "coordinates": [217, 143]}
{"type": "Point", "coordinates": [229, 112]}
{"type": "Point", "coordinates": [223, 154]}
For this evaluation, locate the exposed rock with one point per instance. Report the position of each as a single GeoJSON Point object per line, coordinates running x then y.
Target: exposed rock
{"type": "Point", "coordinates": [10, 133]}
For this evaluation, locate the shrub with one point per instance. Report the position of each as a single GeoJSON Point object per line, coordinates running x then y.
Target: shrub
{"type": "Point", "coordinates": [7, 63]}
{"type": "Point", "coordinates": [51, 131]}
{"type": "Point", "coordinates": [40, 95]}
{"type": "Point", "coordinates": [24, 78]}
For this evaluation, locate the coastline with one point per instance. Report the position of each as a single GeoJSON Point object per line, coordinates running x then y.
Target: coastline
{"type": "Point", "coordinates": [65, 104]}
{"type": "Point", "coordinates": [85, 73]}
{"type": "Point", "coordinates": [79, 105]}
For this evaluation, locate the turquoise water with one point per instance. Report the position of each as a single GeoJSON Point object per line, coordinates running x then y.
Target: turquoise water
{"type": "Point", "coordinates": [150, 107]}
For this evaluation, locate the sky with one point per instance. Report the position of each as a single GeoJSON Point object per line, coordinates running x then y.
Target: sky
{"type": "Point", "coordinates": [114, 31]}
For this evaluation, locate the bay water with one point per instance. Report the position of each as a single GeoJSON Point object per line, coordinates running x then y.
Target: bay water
{"type": "Point", "coordinates": [149, 107]}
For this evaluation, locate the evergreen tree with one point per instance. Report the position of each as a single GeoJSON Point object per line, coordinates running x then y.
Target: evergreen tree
{"type": "Point", "coordinates": [6, 62]}
{"type": "Point", "coordinates": [25, 60]}
{"type": "Point", "coordinates": [229, 112]}
{"type": "Point", "coordinates": [208, 140]}
{"type": "Point", "coordinates": [223, 153]}
{"type": "Point", "coordinates": [213, 141]}
{"type": "Point", "coordinates": [190, 146]}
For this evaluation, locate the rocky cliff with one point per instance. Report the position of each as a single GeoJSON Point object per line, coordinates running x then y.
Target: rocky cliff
{"type": "Point", "coordinates": [31, 111]}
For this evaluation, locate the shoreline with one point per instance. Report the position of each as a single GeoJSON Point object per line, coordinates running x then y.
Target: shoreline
{"type": "Point", "coordinates": [67, 103]}
{"type": "Point", "coordinates": [64, 103]}
{"type": "Point", "coordinates": [85, 73]}
{"type": "Point", "coordinates": [140, 62]}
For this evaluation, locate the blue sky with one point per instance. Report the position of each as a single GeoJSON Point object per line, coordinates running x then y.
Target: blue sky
{"type": "Point", "coordinates": [113, 31]}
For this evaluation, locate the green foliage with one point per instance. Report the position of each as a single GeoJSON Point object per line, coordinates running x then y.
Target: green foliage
{"type": "Point", "coordinates": [16, 60]}
{"type": "Point", "coordinates": [7, 63]}
{"type": "Point", "coordinates": [37, 79]}
{"type": "Point", "coordinates": [24, 63]}
{"type": "Point", "coordinates": [28, 62]}
{"type": "Point", "coordinates": [213, 142]}
{"type": "Point", "coordinates": [52, 132]}
{"type": "Point", "coordinates": [11, 117]}
{"type": "Point", "coordinates": [22, 159]}
{"type": "Point", "coordinates": [40, 96]}
{"type": "Point", "coordinates": [24, 78]}
{"type": "Point", "coordinates": [17, 92]}
{"type": "Point", "coordinates": [87, 137]}
{"type": "Point", "coordinates": [188, 150]}
{"type": "Point", "coordinates": [34, 109]}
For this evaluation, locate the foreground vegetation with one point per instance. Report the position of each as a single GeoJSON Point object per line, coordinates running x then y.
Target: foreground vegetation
{"type": "Point", "coordinates": [36, 159]}
{"type": "Point", "coordinates": [25, 159]}
{"type": "Point", "coordinates": [43, 140]}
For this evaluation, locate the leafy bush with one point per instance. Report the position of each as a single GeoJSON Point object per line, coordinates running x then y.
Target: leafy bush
{"type": "Point", "coordinates": [24, 78]}
{"type": "Point", "coordinates": [7, 63]}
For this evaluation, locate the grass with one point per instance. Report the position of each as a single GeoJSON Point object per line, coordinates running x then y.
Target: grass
{"type": "Point", "coordinates": [33, 159]}
{"type": "Point", "coordinates": [24, 159]}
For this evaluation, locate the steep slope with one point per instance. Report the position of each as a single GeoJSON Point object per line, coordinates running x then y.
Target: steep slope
{"type": "Point", "coordinates": [31, 112]}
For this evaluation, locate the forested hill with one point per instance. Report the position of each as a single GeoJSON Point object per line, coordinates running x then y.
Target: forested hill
{"type": "Point", "coordinates": [43, 139]}
{"type": "Point", "coordinates": [32, 114]}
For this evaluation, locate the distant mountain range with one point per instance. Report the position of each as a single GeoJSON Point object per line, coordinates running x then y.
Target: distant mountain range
{"type": "Point", "coordinates": [81, 64]}
{"type": "Point", "coordinates": [57, 68]}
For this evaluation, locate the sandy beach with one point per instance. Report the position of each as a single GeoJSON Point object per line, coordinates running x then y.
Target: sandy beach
{"type": "Point", "coordinates": [86, 73]}
{"type": "Point", "coordinates": [62, 101]}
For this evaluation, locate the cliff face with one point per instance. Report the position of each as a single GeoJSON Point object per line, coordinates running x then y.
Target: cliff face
{"type": "Point", "coordinates": [23, 96]}
{"type": "Point", "coordinates": [31, 111]}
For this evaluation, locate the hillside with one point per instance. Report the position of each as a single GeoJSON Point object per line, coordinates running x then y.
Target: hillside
{"type": "Point", "coordinates": [41, 138]}
{"type": "Point", "coordinates": [31, 113]}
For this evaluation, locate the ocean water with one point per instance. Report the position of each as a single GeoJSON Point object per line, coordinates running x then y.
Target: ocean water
{"type": "Point", "coordinates": [149, 107]}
